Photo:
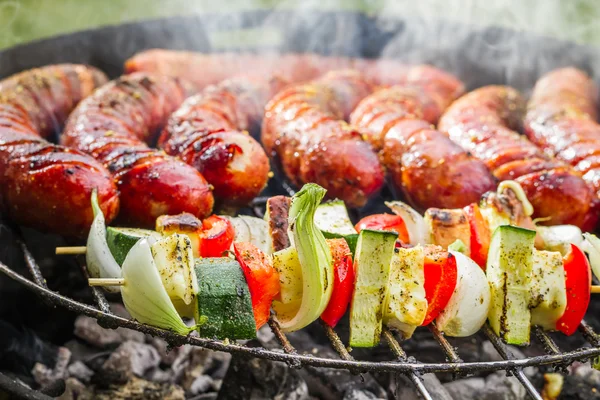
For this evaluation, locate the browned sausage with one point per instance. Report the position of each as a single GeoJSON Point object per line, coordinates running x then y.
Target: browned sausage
{"type": "Point", "coordinates": [114, 125]}
{"type": "Point", "coordinates": [482, 122]}
{"type": "Point", "coordinates": [430, 169]}
{"type": "Point", "coordinates": [209, 132]}
{"type": "Point", "coordinates": [561, 119]}
{"type": "Point", "coordinates": [217, 67]}
{"type": "Point", "coordinates": [43, 185]}
{"type": "Point", "coordinates": [303, 129]}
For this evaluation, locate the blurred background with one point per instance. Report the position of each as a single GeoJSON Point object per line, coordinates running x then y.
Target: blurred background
{"type": "Point", "coordinates": [26, 20]}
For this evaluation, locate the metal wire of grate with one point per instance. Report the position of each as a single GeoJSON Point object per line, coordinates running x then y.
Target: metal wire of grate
{"type": "Point", "coordinates": [401, 364]}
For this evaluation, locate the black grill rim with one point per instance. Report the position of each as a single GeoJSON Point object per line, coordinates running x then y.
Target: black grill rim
{"type": "Point", "coordinates": [106, 48]}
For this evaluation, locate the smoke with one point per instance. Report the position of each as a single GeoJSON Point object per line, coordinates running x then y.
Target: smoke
{"type": "Point", "coordinates": [499, 41]}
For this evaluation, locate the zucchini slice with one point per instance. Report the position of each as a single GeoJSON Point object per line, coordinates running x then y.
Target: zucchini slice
{"type": "Point", "coordinates": [332, 219]}
{"type": "Point", "coordinates": [374, 252]}
{"type": "Point", "coordinates": [509, 269]}
{"type": "Point", "coordinates": [223, 306]}
{"type": "Point", "coordinates": [121, 240]}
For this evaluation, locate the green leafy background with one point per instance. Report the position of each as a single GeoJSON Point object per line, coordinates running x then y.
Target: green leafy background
{"type": "Point", "coordinates": [25, 20]}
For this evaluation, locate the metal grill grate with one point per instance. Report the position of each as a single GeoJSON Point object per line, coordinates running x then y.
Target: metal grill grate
{"type": "Point", "coordinates": [401, 364]}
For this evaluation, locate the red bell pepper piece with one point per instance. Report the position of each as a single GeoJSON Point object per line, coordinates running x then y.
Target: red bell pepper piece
{"type": "Point", "coordinates": [385, 222]}
{"type": "Point", "coordinates": [480, 235]}
{"type": "Point", "coordinates": [343, 282]}
{"type": "Point", "coordinates": [440, 281]}
{"type": "Point", "coordinates": [216, 237]}
{"type": "Point", "coordinates": [261, 277]}
{"type": "Point", "coordinates": [578, 280]}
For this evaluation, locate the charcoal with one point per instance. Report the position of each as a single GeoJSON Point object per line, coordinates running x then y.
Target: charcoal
{"type": "Point", "coordinates": [159, 375]}
{"type": "Point", "coordinates": [403, 388]}
{"type": "Point", "coordinates": [167, 355]}
{"type": "Point", "coordinates": [88, 329]}
{"type": "Point", "coordinates": [465, 389]}
{"type": "Point", "coordinates": [489, 353]}
{"type": "Point", "coordinates": [194, 366]}
{"type": "Point", "coordinates": [74, 390]}
{"type": "Point", "coordinates": [357, 394]}
{"type": "Point", "coordinates": [81, 351]}
{"type": "Point", "coordinates": [216, 384]}
{"type": "Point", "coordinates": [202, 384]}
{"type": "Point", "coordinates": [139, 389]}
{"type": "Point", "coordinates": [262, 379]}
{"type": "Point", "coordinates": [217, 365]}
{"type": "Point", "coordinates": [582, 383]}
{"type": "Point", "coordinates": [55, 388]}
{"type": "Point", "coordinates": [499, 386]}
{"type": "Point", "coordinates": [45, 375]}
{"type": "Point", "coordinates": [205, 396]}
{"type": "Point", "coordinates": [332, 383]}
{"type": "Point", "coordinates": [129, 359]}
{"type": "Point", "coordinates": [80, 371]}
{"type": "Point", "coordinates": [21, 349]}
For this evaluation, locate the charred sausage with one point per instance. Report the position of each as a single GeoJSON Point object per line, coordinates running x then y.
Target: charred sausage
{"type": "Point", "coordinates": [483, 122]}
{"type": "Point", "coordinates": [561, 119]}
{"type": "Point", "coordinates": [305, 132]}
{"type": "Point", "coordinates": [114, 126]}
{"type": "Point", "coordinates": [423, 163]}
{"type": "Point", "coordinates": [43, 185]}
{"type": "Point", "coordinates": [217, 67]}
{"type": "Point", "coordinates": [209, 132]}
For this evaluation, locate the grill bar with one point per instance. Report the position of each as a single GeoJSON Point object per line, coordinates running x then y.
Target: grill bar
{"type": "Point", "coordinates": [32, 265]}
{"type": "Point", "coordinates": [97, 293]}
{"type": "Point", "coordinates": [589, 334]}
{"type": "Point", "coordinates": [360, 366]}
{"type": "Point", "coordinates": [336, 342]}
{"type": "Point", "coordinates": [446, 346]}
{"type": "Point", "coordinates": [281, 338]}
{"type": "Point", "coordinates": [505, 353]}
{"type": "Point", "coordinates": [401, 356]}
{"type": "Point", "coordinates": [549, 345]}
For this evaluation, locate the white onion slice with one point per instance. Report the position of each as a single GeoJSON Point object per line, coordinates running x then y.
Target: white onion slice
{"type": "Point", "coordinates": [253, 230]}
{"type": "Point", "coordinates": [467, 310]}
{"type": "Point", "coordinates": [100, 261]}
{"type": "Point", "coordinates": [415, 223]}
{"type": "Point", "coordinates": [591, 245]}
{"type": "Point", "coordinates": [144, 294]}
{"type": "Point", "coordinates": [558, 237]}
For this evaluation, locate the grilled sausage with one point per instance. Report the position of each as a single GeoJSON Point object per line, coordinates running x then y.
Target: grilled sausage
{"type": "Point", "coordinates": [423, 163]}
{"type": "Point", "coordinates": [217, 67]}
{"type": "Point", "coordinates": [561, 119]}
{"type": "Point", "coordinates": [114, 125]}
{"type": "Point", "coordinates": [483, 122]}
{"type": "Point", "coordinates": [303, 129]}
{"type": "Point", "coordinates": [209, 132]}
{"type": "Point", "coordinates": [294, 68]}
{"type": "Point", "coordinates": [43, 185]}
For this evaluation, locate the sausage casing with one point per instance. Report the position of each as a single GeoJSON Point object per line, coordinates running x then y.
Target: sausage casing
{"type": "Point", "coordinates": [304, 131]}
{"type": "Point", "coordinates": [43, 185]}
{"type": "Point", "coordinates": [115, 124]}
{"type": "Point", "coordinates": [561, 119]}
{"type": "Point", "coordinates": [484, 122]}
{"type": "Point", "coordinates": [422, 162]}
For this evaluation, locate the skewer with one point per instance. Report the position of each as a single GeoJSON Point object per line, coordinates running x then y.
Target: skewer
{"type": "Point", "coordinates": [106, 281]}
{"type": "Point", "coordinates": [72, 250]}
{"type": "Point", "coordinates": [75, 250]}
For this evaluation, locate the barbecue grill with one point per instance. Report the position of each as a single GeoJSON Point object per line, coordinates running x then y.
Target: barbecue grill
{"type": "Point", "coordinates": [478, 56]}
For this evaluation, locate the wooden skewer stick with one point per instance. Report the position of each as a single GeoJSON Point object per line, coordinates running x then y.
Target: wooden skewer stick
{"type": "Point", "coordinates": [106, 281]}
{"type": "Point", "coordinates": [120, 282]}
{"type": "Point", "coordinates": [73, 250]}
